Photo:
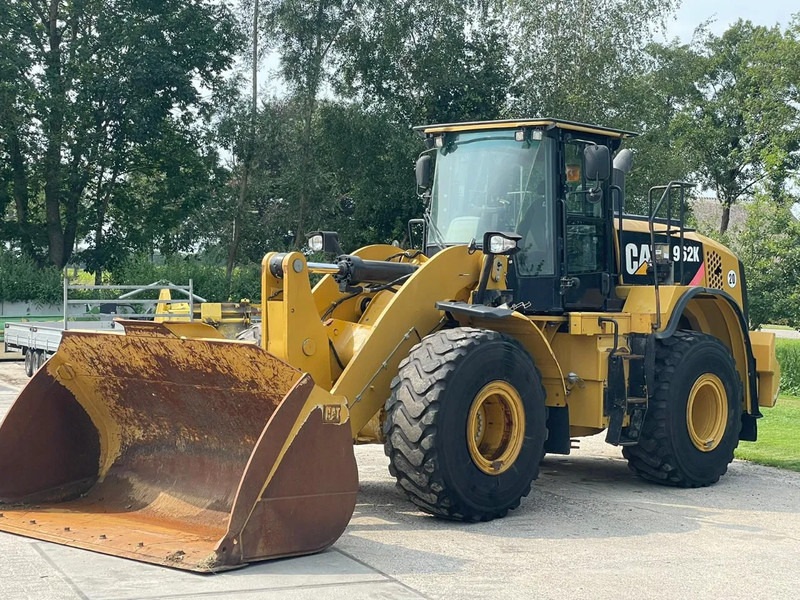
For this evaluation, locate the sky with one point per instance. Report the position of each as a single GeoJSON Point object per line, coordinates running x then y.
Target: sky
{"type": "Point", "coordinates": [727, 12]}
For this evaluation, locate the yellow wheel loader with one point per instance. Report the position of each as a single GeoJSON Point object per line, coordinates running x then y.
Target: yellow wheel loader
{"type": "Point", "coordinates": [534, 311]}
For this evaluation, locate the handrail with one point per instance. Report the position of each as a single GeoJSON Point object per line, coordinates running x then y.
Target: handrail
{"type": "Point", "coordinates": [653, 211]}
{"type": "Point", "coordinates": [127, 298]}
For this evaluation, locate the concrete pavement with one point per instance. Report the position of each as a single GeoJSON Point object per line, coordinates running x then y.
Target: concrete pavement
{"type": "Point", "coordinates": [588, 528]}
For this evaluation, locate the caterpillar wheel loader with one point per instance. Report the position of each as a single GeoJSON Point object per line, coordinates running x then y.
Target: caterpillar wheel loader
{"type": "Point", "coordinates": [535, 310]}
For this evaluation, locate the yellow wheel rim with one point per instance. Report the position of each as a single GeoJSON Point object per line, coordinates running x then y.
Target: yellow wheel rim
{"type": "Point", "coordinates": [707, 412]}
{"type": "Point", "coordinates": [496, 427]}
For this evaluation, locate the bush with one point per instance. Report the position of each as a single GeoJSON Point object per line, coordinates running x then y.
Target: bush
{"type": "Point", "coordinates": [788, 352]}
{"type": "Point", "coordinates": [208, 281]}
{"type": "Point", "coordinates": [22, 280]}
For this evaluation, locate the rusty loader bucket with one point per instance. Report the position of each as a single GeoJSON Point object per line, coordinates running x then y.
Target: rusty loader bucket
{"type": "Point", "coordinates": [200, 454]}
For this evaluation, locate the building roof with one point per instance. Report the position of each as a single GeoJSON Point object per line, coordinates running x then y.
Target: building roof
{"type": "Point", "coordinates": [532, 122]}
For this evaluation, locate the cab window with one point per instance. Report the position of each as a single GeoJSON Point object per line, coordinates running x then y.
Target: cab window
{"type": "Point", "coordinates": [585, 224]}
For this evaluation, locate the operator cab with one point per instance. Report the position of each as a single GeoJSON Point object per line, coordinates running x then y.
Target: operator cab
{"type": "Point", "coordinates": [529, 177]}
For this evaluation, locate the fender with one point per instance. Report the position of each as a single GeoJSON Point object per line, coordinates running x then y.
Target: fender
{"type": "Point", "coordinates": [523, 330]}
{"type": "Point", "coordinates": [695, 306]}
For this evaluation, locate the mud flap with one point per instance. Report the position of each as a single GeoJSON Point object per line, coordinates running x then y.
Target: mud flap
{"type": "Point", "coordinates": [200, 454]}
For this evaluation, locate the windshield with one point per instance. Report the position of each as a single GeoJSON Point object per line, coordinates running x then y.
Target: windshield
{"type": "Point", "coordinates": [488, 181]}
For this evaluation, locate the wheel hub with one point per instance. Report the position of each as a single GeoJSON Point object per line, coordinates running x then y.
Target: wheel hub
{"type": "Point", "coordinates": [496, 427]}
{"type": "Point", "coordinates": [707, 412]}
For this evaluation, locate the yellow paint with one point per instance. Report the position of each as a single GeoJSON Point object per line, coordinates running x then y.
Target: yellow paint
{"type": "Point", "coordinates": [211, 312]}
{"type": "Point", "coordinates": [729, 260]}
{"type": "Point", "coordinates": [586, 356]}
{"type": "Point", "coordinates": [521, 123]}
{"type": "Point", "coordinates": [193, 330]}
{"type": "Point", "coordinates": [769, 371]}
{"type": "Point", "coordinates": [291, 322]}
{"type": "Point", "coordinates": [69, 371]}
{"type": "Point", "coordinates": [347, 337]}
{"type": "Point", "coordinates": [496, 427]}
{"type": "Point", "coordinates": [713, 315]}
{"type": "Point", "coordinates": [707, 412]}
{"type": "Point", "coordinates": [409, 316]}
{"type": "Point", "coordinates": [178, 311]}
{"type": "Point", "coordinates": [533, 339]}
{"type": "Point", "coordinates": [326, 292]}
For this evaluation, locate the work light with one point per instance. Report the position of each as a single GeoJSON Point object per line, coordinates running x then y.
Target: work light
{"type": "Point", "coordinates": [499, 243]}
{"type": "Point", "coordinates": [315, 242]}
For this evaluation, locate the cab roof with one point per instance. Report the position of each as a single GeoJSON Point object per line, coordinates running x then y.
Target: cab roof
{"type": "Point", "coordinates": [533, 122]}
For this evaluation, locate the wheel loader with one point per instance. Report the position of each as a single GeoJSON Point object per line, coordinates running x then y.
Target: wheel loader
{"type": "Point", "coordinates": [534, 310]}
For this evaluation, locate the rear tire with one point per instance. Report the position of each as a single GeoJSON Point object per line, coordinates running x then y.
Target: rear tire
{"type": "Point", "coordinates": [693, 421]}
{"type": "Point", "coordinates": [29, 370]}
{"type": "Point", "coordinates": [466, 424]}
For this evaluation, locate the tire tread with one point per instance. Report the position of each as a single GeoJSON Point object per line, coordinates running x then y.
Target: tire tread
{"type": "Point", "coordinates": [410, 427]}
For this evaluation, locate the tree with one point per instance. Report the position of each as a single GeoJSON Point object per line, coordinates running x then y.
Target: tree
{"type": "Point", "coordinates": [306, 34]}
{"type": "Point", "coordinates": [742, 130]}
{"type": "Point", "coordinates": [573, 57]}
{"type": "Point", "coordinates": [769, 248]}
{"type": "Point", "coordinates": [247, 158]}
{"type": "Point", "coordinates": [98, 80]}
{"type": "Point", "coordinates": [429, 62]}
{"type": "Point", "coordinates": [652, 99]}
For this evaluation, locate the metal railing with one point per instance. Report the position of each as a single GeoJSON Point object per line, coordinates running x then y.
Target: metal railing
{"type": "Point", "coordinates": [128, 298]}
{"type": "Point", "coordinates": [668, 232]}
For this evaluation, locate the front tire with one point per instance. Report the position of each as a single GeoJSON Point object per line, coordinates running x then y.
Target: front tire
{"type": "Point", "coordinates": [466, 424]}
{"type": "Point", "coordinates": [693, 421]}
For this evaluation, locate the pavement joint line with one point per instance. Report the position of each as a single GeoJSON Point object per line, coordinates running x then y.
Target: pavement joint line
{"type": "Point", "coordinates": [389, 577]}
{"type": "Point", "coordinates": [58, 569]}
{"type": "Point", "coordinates": [234, 593]}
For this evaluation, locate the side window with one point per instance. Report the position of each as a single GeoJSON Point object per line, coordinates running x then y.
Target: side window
{"type": "Point", "coordinates": [536, 220]}
{"type": "Point", "coordinates": [585, 225]}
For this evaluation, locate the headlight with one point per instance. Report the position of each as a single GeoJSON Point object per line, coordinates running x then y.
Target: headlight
{"type": "Point", "coordinates": [495, 242]}
{"type": "Point", "coordinates": [315, 242]}
{"type": "Point", "coordinates": [324, 241]}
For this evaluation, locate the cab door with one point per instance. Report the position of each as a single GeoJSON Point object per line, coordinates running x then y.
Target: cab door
{"type": "Point", "coordinates": [585, 225]}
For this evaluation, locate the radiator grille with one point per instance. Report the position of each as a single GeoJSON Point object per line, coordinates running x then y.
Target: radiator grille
{"type": "Point", "coordinates": [714, 270]}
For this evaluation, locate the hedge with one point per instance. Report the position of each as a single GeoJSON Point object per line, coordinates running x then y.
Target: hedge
{"type": "Point", "coordinates": [208, 281]}
{"type": "Point", "coordinates": [21, 279]}
{"type": "Point", "coordinates": [788, 352]}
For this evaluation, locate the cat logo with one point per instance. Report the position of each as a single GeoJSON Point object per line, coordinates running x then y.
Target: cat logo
{"type": "Point", "coordinates": [331, 414]}
{"type": "Point", "coordinates": [637, 256]}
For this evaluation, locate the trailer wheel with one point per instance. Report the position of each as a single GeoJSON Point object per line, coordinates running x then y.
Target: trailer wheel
{"type": "Point", "coordinates": [693, 421]}
{"type": "Point", "coordinates": [466, 424]}
{"type": "Point", "coordinates": [29, 370]}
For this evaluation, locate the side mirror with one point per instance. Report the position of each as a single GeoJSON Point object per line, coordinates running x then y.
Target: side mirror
{"type": "Point", "coordinates": [597, 163]}
{"type": "Point", "coordinates": [424, 171]}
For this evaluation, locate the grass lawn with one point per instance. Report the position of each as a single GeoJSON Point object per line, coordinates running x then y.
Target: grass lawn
{"type": "Point", "coordinates": [780, 327]}
{"type": "Point", "coordinates": [778, 442]}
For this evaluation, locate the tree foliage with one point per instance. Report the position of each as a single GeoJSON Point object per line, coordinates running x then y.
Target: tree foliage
{"type": "Point", "coordinates": [740, 129]}
{"type": "Point", "coordinates": [129, 127]}
{"type": "Point", "coordinates": [98, 91]}
{"type": "Point", "coordinates": [769, 248]}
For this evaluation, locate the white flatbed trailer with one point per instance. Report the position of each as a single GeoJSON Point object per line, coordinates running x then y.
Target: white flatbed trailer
{"type": "Point", "coordinates": [38, 341]}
